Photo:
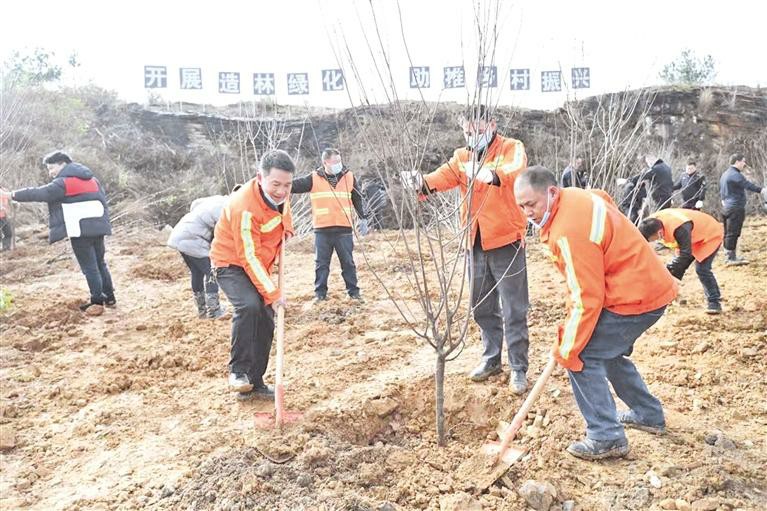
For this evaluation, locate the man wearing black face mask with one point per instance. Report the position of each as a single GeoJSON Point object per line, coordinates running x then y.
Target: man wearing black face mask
{"type": "Point", "coordinates": [485, 171]}
{"type": "Point", "coordinates": [333, 191]}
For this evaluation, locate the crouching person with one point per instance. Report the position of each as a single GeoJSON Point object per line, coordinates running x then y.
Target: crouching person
{"type": "Point", "coordinates": [697, 237]}
{"type": "Point", "coordinates": [618, 288]}
{"type": "Point", "coordinates": [192, 237]}
{"type": "Point", "coordinates": [247, 241]}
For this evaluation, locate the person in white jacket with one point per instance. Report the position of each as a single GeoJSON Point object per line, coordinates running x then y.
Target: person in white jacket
{"type": "Point", "coordinates": [192, 237]}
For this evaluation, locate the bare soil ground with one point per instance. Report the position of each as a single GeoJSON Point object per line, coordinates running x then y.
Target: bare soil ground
{"type": "Point", "coordinates": [130, 409]}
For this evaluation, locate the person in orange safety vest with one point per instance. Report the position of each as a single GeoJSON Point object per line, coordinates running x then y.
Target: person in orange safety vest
{"type": "Point", "coordinates": [618, 288]}
{"type": "Point", "coordinates": [246, 242]}
{"type": "Point", "coordinates": [696, 236]}
{"type": "Point", "coordinates": [335, 196]}
{"type": "Point", "coordinates": [485, 171]}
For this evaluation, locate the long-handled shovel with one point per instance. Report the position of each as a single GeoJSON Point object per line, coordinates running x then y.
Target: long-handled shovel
{"type": "Point", "coordinates": [495, 458]}
{"type": "Point", "coordinates": [264, 420]}
{"type": "Point", "coordinates": [502, 450]}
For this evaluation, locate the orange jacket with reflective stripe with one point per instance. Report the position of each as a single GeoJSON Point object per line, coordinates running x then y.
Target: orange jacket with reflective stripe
{"type": "Point", "coordinates": [607, 265]}
{"type": "Point", "coordinates": [492, 209]}
{"type": "Point", "coordinates": [707, 233]}
{"type": "Point", "coordinates": [331, 206]}
{"type": "Point", "coordinates": [248, 235]}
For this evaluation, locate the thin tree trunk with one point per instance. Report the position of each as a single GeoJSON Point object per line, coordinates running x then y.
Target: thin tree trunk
{"type": "Point", "coordinates": [439, 388]}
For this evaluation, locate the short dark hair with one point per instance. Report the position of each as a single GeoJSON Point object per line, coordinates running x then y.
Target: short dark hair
{"type": "Point", "coordinates": [538, 178]}
{"type": "Point", "coordinates": [736, 157]}
{"type": "Point", "coordinates": [277, 159]}
{"type": "Point", "coordinates": [691, 162]}
{"type": "Point", "coordinates": [56, 157]}
{"type": "Point", "coordinates": [477, 112]}
{"type": "Point", "coordinates": [329, 152]}
{"type": "Point", "coordinates": [650, 226]}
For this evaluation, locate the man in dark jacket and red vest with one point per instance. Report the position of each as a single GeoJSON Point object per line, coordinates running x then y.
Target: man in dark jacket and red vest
{"type": "Point", "coordinates": [77, 209]}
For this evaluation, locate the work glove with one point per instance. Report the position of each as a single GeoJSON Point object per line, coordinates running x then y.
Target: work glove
{"type": "Point", "coordinates": [411, 179]}
{"type": "Point", "coordinates": [363, 227]}
{"type": "Point", "coordinates": [621, 181]}
{"type": "Point", "coordinates": [675, 271]}
{"type": "Point", "coordinates": [279, 302]}
{"type": "Point", "coordinates": [699, 204]}
{"type": "Point", "coordinates": [484, 175]}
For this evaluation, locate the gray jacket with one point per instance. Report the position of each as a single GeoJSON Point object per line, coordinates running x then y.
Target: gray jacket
{"type": "Point", "coordinates": [194, 232]}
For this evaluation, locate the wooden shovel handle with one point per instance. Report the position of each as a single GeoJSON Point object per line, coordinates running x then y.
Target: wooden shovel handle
{"type": "Point", "coordinates": [519, 418]}
{"type": "Point", "coordinates": [279, 399]}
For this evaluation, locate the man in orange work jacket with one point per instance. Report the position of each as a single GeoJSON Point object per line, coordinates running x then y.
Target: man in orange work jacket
{"type": "Point", "coordinates": [697, 237]}
{"type": "Point", "coordinates": [246, 243]}
{"type": "Point", "coordinates": [485, 171]}
{"type": "Point", "coordinates": [618, 289]}
{"type": "Point", "coordinates": [333, 191]}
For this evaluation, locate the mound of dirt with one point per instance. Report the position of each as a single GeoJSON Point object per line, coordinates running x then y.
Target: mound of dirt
{"type": "Point", "coordinates": [164, 265]}
{"type": "Point", "coordinates": [130, 410]}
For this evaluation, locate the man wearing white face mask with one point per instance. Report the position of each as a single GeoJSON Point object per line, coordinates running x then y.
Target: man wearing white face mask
{"type": "Point", "coordinates": [334, 191]}
{"type": "Point", "coordinates": [485, 171]}
{"type": "Point", "coordinates": [618, 288]}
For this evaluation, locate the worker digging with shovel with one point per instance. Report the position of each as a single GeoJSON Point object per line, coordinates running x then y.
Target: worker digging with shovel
{"type": "Point", "coordinates": [618, 289]}
{"type": "Point", "coordinates": [247, 240]}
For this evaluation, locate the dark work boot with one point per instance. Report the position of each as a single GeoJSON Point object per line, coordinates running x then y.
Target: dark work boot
{"type": "Point", "coordinates": [629, 419]}
{"type": "Point", "coordinates": [214, 309]}
{"type": "Point", "coordinates": [517, 382]}
{"type": "Point", "coordinates": [588, 449]}
{"type": "Point", "coordinates": [484, 371]}
{"type": "Point", "coordinates": [199, 300]}
{"type": "Point", "coordinates": [85, 306]}
{"type": "Point", "coordinates": [714, 308]}
{"type": "Point", "coordinates": [731, 259]}
{"type": "Point", "coordinates": [261, 392]}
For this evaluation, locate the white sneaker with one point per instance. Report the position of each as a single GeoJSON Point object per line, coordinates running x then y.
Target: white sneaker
{"type": "Point", "coordinates": [239, 382]}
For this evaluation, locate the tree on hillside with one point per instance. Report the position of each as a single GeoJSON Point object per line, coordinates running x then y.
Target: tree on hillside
{"type": "Point", "coordinates": [31, 68]}
{"type": "Point", "coordinates": [688, 69]}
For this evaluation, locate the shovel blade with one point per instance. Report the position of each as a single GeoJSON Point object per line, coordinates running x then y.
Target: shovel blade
{"type": "Point", "coordinates": [268, 420]}
{"type": "Point", "coordinates": [511, 456]}
{"type": "Point", "coordinates": [501, 428]}
{"type": "Point", "coordinates": [482, 470]}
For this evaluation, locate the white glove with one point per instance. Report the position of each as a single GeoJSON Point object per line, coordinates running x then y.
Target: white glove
{"type": "Point", "coordinates": [279, 302]}
{"type": "Point", "coordinates": [622, 181]}
{"type": "Point", "coordinates": [699, 204]}
{"type": "Point", "coordinates": [485, 175]}
{"type": "Point", "coordinates": [412, 179]}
